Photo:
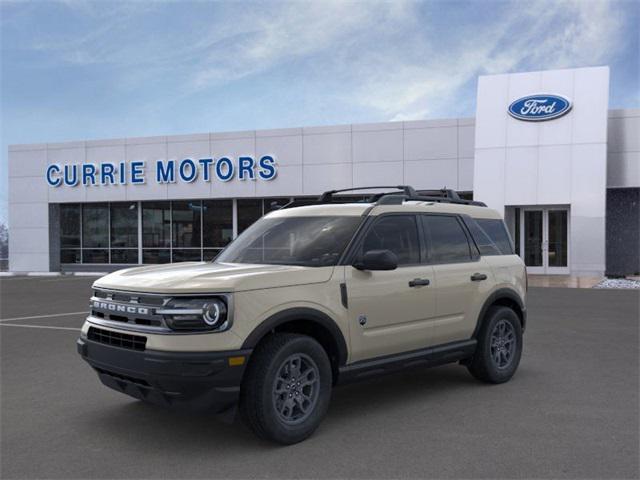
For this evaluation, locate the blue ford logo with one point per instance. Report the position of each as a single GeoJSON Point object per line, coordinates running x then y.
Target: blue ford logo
{"type": "Point", "coordinates": [536, 108]}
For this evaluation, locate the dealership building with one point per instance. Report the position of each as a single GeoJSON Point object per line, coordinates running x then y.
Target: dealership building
{"type": "Point", "coordinates": [544, 149]}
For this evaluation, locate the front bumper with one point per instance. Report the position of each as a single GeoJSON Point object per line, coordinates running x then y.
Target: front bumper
{"type": "Point", "coordinates": [201, 380]}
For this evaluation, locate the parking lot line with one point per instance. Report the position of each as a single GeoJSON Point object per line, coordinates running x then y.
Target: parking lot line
{"type": "Point", "coordinates": [39, 326]}
{"type": "Point", "coordinates": [34, 317]}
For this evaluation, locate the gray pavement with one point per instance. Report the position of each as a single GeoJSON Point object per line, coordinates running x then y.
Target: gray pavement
{"type": "Point", "coordinates": [571, 411]}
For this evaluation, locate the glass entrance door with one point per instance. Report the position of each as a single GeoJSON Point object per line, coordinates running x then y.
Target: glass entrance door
{"type": "Point", "coordinates": [544, 239]}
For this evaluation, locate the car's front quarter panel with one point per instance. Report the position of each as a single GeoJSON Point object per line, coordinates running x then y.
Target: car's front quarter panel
{"type": "Point", "coordinates": [254, 307]}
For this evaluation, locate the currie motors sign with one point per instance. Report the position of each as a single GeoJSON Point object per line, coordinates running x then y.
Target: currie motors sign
{"type": "Point", "coordinates": [540, 107]}
{"type": "Point", "coordinates": [187, 170]}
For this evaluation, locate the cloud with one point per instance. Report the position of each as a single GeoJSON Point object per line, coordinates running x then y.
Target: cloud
{"type": "Point", "coordinates": [535, 35]}
{"type": "Point", "coordinates": [401, 59]}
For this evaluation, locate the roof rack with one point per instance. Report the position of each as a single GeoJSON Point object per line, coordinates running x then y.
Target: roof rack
{"type": "Point", "coordinates": [443, 195]}
{"type": "Point", "coordinates": [327, 196]}
{"type": "Point", "coordinates": [401, 194]}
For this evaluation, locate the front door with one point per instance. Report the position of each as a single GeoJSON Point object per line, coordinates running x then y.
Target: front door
{"type": "Point", "coordinates": [390, 311]}
{"type": "Point", "coordinates": [544, 239]}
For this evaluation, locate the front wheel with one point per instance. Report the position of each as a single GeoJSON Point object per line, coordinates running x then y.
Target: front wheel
{"type": "Point", "coordinates": [499, 346]}
{"type": "Point", "coordinates": [287, 388]}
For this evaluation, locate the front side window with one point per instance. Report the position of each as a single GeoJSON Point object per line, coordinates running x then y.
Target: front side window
{"type": "Point", "coordinates": [304, 241]}
{"type": "Point", "coordinates": [446, 240]}
{"type": "Point", "coordinates": [397, 233]}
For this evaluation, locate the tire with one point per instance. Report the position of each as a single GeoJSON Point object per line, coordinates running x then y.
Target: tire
{"type": "Point", "coordinates": [497, 363]}
{"type": "Point", "coordinates": [272, 404]}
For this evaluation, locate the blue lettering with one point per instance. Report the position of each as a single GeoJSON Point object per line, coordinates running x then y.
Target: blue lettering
{"type": "Point", "coordinates": [193, 170]}
{"type": "Point", "coordinates": [88, 174]}
{"type": "Point", "coordinates": [71, 180]}
{"type": "Point", "coordinates": [224, 161]}
{"type": "Point", "coordinates": [206, 170]}
{"type": "Point", "coordinates": [267, 168]}
{"type": "Point", "coordinates": [165, 174]}
{"type": "Point", "coordinates": [123, 173]}
{"type": "Point", "coordinates": [246, 166]}
{"type": "Point", "coordinates": [106, 173]}
{"type": "Point", "coordinates": [137, 172]}
{"type": "Point", "coordinates": [51, 169]}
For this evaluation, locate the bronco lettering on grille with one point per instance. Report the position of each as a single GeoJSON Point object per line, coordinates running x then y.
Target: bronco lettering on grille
{"type": "Point", "coordinates": [117, 307]}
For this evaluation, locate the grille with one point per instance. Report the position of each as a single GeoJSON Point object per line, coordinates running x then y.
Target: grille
{"type": "Point", "coordinates": [130, 297]}
{"type": "Point", "coordinates": [117, 339]}
{"type": "Point", "coordinates": [129, 308]}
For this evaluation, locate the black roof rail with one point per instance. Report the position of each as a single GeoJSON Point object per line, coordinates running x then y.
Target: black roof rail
{"type": "Point", "coordinates": [403, 193]}
{"type": "Point", "coordinates": [398, 199]}
{"type": "Point", "coordinates": [327, 196]}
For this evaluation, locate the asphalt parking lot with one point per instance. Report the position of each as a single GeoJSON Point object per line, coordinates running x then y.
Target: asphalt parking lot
{"type": "Point", "coordinates": [571, 411]}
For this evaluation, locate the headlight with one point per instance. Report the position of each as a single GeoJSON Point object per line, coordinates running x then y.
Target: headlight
{"type": "Point", "coordinates": [196, 314]}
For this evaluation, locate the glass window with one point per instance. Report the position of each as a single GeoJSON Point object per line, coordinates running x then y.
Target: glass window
{"type": "Point", "coordinates": [497, 232]}
{"type": "Point", "coordinates": [481, 239]}
{"type": "Point", "coordinates": [186, 255]}
{"type": "Point", "coordinates": [271, 204]}
{"type": "Point", "coordinates": [69, 255]}
{"type": "Point", "coordinates": [186, 224]}
{"type": "Point", "coordinates": [558, 238]}
{"type": "Point", "coordinates": [249, 210]}
{"type": "Point", "coordinates": [159, 255]}
{"type": "Point", "coordinates": [517, 231]}
{"type": "Point", "coordinates": [209, 254]}
{"type": "Point", "coordinates": [533, 237]}
{"type": "Point", "coordinates": [126, 255]}
{"type": "Point", "coordinates": [446, 239]}
{"type": "Point", "coordinates": [156, 224]}
{"type": "Point", "coordinates": [302, 201]}
{"type": "Point", "coordinates": [397, 233]}
{"type": "Point", "coordinates": [95, 226]}
{"type": "Point", "coordinates": [95, 255]}
{"type": "Point", "coordinates": [69, 226]}
{"type": "Point", "coordinates": [217, 222]}
{"type": "Point", "coordinates": [124, 225]}
{"type": "Point", "coordinates": [306, 241]}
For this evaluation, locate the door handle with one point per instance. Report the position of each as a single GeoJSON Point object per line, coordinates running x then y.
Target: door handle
{"type": "Point", "coordinates": [478, 277]}
{"type": "Point", "coordinates": [419, 282]}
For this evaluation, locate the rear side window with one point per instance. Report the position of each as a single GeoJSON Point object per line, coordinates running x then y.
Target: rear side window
{"type": "Point", "coordinates": [446, 240]}
{"type": "Point", "coordinates": [484, 243]}
{"type": "Point", "coordinates": [495, 229]}
{"type": "Point", "coordinates": [397, 233]}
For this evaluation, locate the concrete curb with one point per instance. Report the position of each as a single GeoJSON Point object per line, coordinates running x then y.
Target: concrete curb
{"type": "Point", "coordinates": [52, 274]}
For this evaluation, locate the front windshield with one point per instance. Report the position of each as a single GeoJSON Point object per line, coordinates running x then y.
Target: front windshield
{"type": "Point", "coordinates": [306, 241]}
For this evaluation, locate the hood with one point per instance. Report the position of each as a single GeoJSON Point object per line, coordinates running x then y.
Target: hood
{"type": "Point", "coordinates": [205, 277]}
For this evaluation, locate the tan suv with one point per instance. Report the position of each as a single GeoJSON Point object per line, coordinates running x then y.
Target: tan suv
{"type": "Point", "coordinates": [312, 296]}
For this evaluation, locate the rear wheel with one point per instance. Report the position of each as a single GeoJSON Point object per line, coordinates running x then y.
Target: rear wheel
{"type": "Point", "coordinates": [499, 346]}
{"type": "Point", "coordinates": [287, 387]}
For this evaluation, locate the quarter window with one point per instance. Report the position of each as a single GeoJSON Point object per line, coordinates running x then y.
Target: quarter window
{"type": "Point", "coordinates": [446, 240]}
{"type": "Point", "coordinates": [397, 233]}
{"type": "Point", "coordinates": [497, 232]}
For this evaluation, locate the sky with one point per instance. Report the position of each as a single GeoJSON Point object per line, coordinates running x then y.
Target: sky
{"type": "Point", "coordinates": [76, 70]}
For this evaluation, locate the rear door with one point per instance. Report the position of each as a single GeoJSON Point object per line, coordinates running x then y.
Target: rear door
{"type": "Point", "coordinates": [462, 278]}
{"type": "Point", "coordinates": [389, 311]}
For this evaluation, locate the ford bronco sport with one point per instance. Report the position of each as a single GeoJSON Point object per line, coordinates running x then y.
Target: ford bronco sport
{"type": "Point", "coordinates": [312, 296]}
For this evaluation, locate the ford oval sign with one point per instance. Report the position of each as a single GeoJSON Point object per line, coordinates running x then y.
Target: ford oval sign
{"type": "Point", "coordinates": [536, 108]}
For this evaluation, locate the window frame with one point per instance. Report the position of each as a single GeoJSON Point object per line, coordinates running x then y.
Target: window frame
{"type": "Point", "coordinates": [354, 247]}
{"type": "Point", "coordinates": [474, 253]}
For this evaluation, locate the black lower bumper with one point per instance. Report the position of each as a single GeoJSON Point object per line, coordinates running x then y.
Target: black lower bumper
{"type": "Point", "coordinates": [202, 380]}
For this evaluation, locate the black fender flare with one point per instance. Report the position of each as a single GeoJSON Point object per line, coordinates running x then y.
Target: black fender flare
{"type": "Point", "coordinates": [502, 293]}
{"type": "Point", "coordinates": [299, 313]}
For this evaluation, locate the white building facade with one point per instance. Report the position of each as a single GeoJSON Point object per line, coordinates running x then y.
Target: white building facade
{"type": "Point", "coordinates": [544, 149]}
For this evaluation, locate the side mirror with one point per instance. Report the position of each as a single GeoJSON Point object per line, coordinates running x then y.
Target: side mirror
{"type": "Point", "coordinates": [377, 260]}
